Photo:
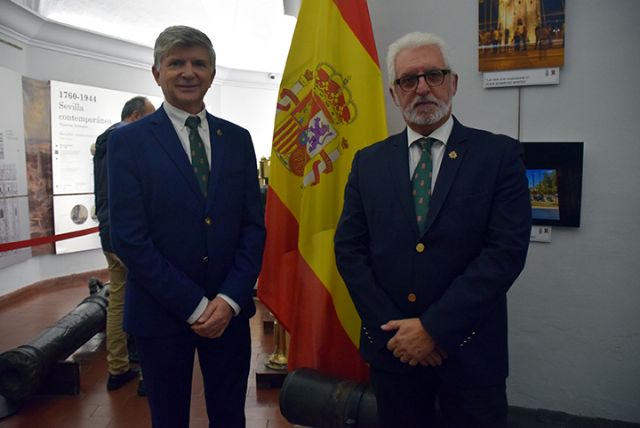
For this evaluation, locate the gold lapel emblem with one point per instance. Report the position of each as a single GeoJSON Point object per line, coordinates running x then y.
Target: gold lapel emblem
{"type": "Point", "coordinates": [219, 132]}
{"type": "Point", "coordinates": [453, 155]}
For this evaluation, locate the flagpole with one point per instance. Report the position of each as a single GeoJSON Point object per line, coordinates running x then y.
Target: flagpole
{"type": "Point", "coordinates": [278, 359]}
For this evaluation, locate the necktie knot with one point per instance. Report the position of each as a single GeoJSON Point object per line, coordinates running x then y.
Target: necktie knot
{"type": "Point", "coordinates": [192, 122]}
{"type": "Point", "coordinates": [426, 143]}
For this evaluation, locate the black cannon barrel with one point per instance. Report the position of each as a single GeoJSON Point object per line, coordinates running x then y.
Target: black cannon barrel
{"type": "Point", "coordinates": [23, 369]}
{"type": "Point", "coordinates": [311, 398]}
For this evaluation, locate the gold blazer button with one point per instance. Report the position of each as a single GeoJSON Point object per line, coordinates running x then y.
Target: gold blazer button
{"type": "Point", "coordinates": [208, 221]}
{"type": "Point", "coordinates": [411, 297]}
{"type": "Point", "coordinates": [420, 247]}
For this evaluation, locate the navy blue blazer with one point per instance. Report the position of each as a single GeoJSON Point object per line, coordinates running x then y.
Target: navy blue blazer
{"type": "Point", "coordinates": [454, 276]}
{"type": "Point", "coordinates": [177, 245]}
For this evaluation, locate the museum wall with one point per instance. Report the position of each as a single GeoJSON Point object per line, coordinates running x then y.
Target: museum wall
{"type": "Point", "coordinates": [574, 324]}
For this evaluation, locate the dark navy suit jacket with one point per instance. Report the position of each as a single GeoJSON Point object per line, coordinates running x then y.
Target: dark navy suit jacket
{"type": "Point", "coordinates": [177, 245]}
{"type": "Point", "coordinates": [454, 276]}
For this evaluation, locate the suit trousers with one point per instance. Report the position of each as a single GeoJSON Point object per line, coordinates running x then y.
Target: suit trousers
{"type": "Point", "coordinates": [418, 399]}
{"type": "Point", "coordinates": [167, 363]}
{"type": "Point", "coordinates": [117, 351]}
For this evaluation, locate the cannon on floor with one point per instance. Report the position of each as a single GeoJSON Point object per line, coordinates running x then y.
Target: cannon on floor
{"type": "Point", "coordinates": [313, 399]}
{"type": "Point", "coordinates": [23, 369]}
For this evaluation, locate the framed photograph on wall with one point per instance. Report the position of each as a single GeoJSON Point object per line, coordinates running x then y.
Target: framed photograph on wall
{"type": "Point", "coordinates": [554, 172]}
{"type": "Point", "coordinates": [521, 42]}
{"type": "Point", "coordinates": [517, 34]}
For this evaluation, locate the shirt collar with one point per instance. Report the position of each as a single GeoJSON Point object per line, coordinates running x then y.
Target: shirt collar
{"type": "Point", "coordinates": [178, 117]}
{"type": "Point", "coordinates": [442, 133]}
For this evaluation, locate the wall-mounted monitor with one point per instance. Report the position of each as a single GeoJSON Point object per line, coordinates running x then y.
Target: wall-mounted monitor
{"type": "Point", "coordinates": [554, 171]}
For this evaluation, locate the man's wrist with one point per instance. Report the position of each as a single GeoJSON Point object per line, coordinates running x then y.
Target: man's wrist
{"type": "Point", "coordinates": [231, 302]}
{"type": "Point", "coordinates": [195, 315]}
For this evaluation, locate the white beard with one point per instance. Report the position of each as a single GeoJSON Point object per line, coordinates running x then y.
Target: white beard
{"type": "Point", "coordinates": [411, 115]}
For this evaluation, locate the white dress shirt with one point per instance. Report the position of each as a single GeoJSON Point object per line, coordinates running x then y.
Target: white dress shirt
{"type": "Point", "coordinates": [178, 118]}
{"type": "Point", "coordinates": [437, 149]}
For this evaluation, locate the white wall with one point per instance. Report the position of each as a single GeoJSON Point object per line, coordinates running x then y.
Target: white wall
{"type": "Point", "coordinates": [574, 318]}
{"type": "Point", "coordinates": [242, 104]}
{"type": "Point", "coordinates": [585, 327]}
{"type": "Point", "coordinates": [574, 312]}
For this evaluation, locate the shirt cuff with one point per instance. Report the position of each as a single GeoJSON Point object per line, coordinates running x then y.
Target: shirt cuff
{"type": "Point", "coordinates": [231, 302]}
{"type": "Point", "coordinates": [199, 310]}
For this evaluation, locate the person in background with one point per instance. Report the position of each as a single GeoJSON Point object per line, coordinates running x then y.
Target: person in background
{"type": "Point", "coordinates": [187, 221]}
{"type": "Point", "coordinates": [118, 360]}
{"type": "Point", "coordinates": [434, 230]}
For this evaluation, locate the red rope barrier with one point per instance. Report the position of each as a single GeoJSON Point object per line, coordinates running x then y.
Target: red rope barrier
{"type": "Point", "coordinates": [45, 239]}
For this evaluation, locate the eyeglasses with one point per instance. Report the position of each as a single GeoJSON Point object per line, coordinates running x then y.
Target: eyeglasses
{"type": "Point", "coordinates": [431, 77]}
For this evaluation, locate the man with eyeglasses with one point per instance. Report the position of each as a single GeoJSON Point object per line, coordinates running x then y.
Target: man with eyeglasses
{"type": "Point", "coordinates": [434, 231]}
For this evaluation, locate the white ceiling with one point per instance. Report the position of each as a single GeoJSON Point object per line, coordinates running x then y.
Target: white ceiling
{"type": "Point", "coordinates": [246, 34]}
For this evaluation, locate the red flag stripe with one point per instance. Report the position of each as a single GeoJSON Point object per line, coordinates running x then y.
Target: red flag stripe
{"type": "Point", "coordinates": [356, 14]}
{"type": "Point", "coordinates": [322, 334]}
{"type": "Point", "coordinates": [316, 330]}
{"type": "Point", "coordinates": [277, 287]}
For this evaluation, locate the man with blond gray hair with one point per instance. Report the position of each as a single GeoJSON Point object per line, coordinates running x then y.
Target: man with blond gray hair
{"type": "Point", "coordinates": [434, 230]}
{"type": "Point", "coordinates": [187, 221]}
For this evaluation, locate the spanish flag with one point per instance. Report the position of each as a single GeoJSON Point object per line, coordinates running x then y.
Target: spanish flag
{"type": "Point", "coordinates": [330, 104]}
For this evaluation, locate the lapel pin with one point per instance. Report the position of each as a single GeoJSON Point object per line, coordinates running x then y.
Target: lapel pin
{"type": "Point", "coordinates": [219, 132]}
{"type": "Point", "coordinates": [453, 155]}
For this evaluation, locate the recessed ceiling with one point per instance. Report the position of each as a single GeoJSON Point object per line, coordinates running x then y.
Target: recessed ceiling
{"type": "Point", "coordinates": [246, 34]}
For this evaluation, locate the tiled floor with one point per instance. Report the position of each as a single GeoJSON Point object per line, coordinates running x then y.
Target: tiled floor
{"type": "Point", "coordinates": [25, 317]}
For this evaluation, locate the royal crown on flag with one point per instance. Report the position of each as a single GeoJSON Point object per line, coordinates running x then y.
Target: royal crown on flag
{"type": "Point", "coordinates": [307, 122]}
{"type": "Point", "coordinates": [331, 88]}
